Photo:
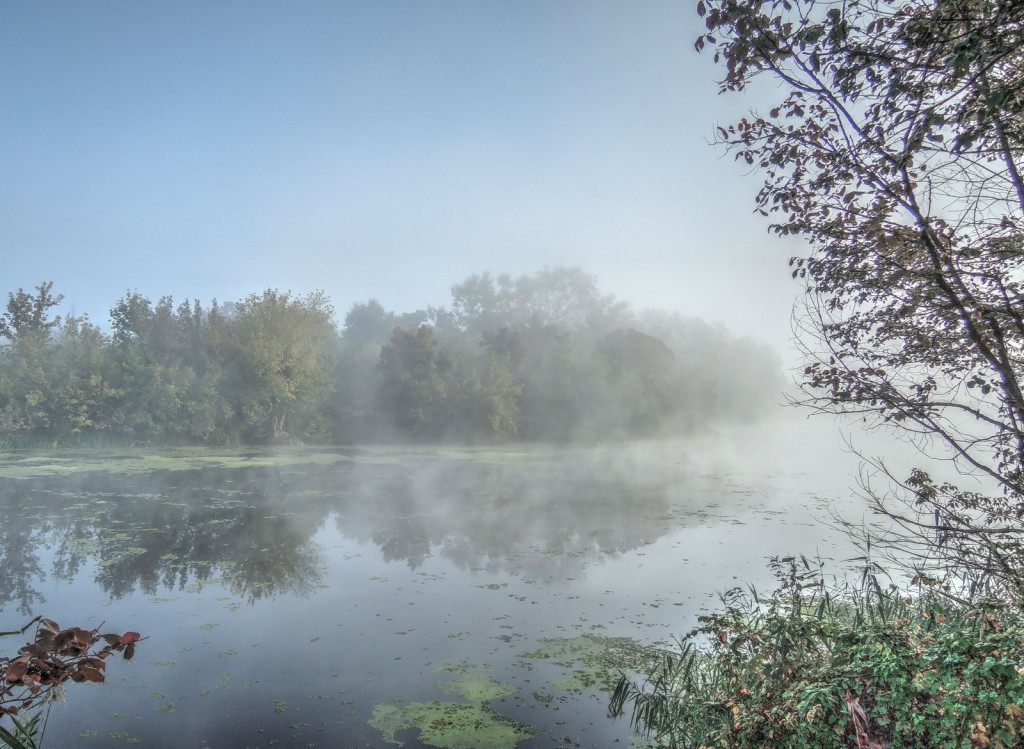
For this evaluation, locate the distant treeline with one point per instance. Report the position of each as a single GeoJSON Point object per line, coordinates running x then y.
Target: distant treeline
{"type": "Point", "coordinates": [541, 357]}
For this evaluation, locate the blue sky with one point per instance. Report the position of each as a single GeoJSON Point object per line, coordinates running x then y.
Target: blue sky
{"type": "Point", "coordinates": [376, 149]}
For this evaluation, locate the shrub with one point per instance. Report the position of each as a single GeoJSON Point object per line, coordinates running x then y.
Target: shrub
{"type": "Point", "coordinates": [816, 665]}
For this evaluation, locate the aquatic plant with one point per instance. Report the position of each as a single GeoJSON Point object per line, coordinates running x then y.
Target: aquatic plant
{"type": "Point", "coordinates": [822, 665]}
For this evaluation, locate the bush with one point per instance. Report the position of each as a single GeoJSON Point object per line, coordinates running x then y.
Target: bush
{"type": "Point", "coordinates": [818, 666]}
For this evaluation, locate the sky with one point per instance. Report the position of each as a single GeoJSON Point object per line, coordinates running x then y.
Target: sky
{"type": "Point", "coordinates": [380, 149]}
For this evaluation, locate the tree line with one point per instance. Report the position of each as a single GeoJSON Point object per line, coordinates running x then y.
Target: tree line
{"type": "Point", "coordinates": [539, 357]}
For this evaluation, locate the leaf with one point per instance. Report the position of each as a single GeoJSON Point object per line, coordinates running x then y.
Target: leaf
{"type": "Point", "coordinates": [129, 652]}
{"type": "Point", "coordinates": [17, 670]}
{"type": "Point", "coordinates": [129, 637]}
{"type": "Point", "coordinates": [63, 638]}
{"type": "Point", "coordinates": [87, 674]}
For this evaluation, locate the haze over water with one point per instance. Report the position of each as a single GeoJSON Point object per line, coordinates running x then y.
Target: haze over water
{"type": "Point", "coordinates": [290, 596]}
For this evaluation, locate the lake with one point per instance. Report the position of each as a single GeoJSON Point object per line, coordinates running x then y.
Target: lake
{"type": "Point", "coordinates": [397, 595]}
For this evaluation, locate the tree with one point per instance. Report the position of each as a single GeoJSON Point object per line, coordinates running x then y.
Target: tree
{"type": "Point", "coordinates": [368, 323]}
{"type": "Point", "coordinates": [642, 380]}
{"type": "Point", "coordinates": [27, 315]}
{"type": "Point", "coordinates": [415, 382]}
{"type": "Point", "coordinates": [566, 297]}
{"type": "Point", "coordinates": [895, 151]}
{"type": "Point", "coordinates": [281, 350]}
{"type": "Point", "coordinates": [25, 371]}
{"type": "Point", "coordinates": [81, 393]}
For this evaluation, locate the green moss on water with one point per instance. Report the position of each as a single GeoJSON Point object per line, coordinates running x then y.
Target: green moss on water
{"type": "Point", "coordinates": [456, 725]}
{"type": "Point", "coordinates": [592, 661]}
{"type": "Point", "coordinates": [450, 725]}
{"type": "Point", "coordinates": [142, 460]}
{"type": "Point", "coordinates": [474, 683]}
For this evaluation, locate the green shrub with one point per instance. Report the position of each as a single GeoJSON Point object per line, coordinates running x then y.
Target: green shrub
{"type": "Point", "coordinates": [814, 666]}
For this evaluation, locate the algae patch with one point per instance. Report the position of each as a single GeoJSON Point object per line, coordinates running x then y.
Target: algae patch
{"type": "Point", "coordinates": [474, 683]}
{"type": "Point", "coordinates": [455, 725]}
{"type": "Point", "coordinates": [129, 461]}
{"type": "Point", "coordinates": [594, 661]}
{"type": "Point", "coordinates": [450, 725]}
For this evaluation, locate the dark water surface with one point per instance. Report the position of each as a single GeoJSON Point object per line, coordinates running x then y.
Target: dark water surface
{"type": "Point", "coordinates": [351, 598]}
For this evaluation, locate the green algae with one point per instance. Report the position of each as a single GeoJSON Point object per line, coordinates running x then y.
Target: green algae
{"type": "Point", "coordinates": [19, 465]}
{"type": "Point", "coordinates": [450, 725]}
{"type": "Point", "coordinates": [474, 683]}
{"type": "Point", "coordinates": [594, 661]}
{"type": "Point", "coordinates": [456, 725]}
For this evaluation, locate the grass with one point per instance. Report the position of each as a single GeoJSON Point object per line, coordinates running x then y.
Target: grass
{"type": "Point", "coordinates": [820, 666]}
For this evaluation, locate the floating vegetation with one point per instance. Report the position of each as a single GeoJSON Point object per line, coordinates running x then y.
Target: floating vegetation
{"type": "Point", "coordinates": [474, 683]}
{"type": "Point", "coordinates": [454, 725]}
{"type": "Point", "coordinates": [142, 460]}
{"type": "Point", "coordinates": [492, 551]}
{"type": "Point", "coordinates": [124, 736]}
{"type": "Point", "coordinates": [450, 725]}
{"type": "Point", "coordinates": [594, 661]}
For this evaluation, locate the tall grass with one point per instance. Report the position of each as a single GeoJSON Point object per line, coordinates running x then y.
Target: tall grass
{"type": "Point", "coordinates": [816, 665]}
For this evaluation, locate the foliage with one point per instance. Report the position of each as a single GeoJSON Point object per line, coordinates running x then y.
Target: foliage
{"type": "Point", "coordinates": [279, 350]}
{"type": "Point", "coordinates": [37, 674]}
{"type": "Point", "coordinates": [414, 382]}
{"type": "Point", "coordinates": [819, 666]}
{"type": "Point", "coordinates": [896, 151]}
{"type": "Point", "coordinates": [538, 357]}
{"type": "Point", "coordinates": [27, 315]}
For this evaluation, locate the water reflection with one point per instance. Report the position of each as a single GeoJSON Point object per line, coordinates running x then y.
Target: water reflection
{"type": "Point", "coordinates": [19, 560]}
{"type": "Point", "coordinates": [545, 515]}
{"type": "Point", "coordinates": [297, 594]}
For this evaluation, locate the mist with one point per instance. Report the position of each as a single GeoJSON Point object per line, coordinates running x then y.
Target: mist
{"type": "Point", "coordinates": [546, 357]}
{"type": "Point", "coordinates": [388, 366]}
{"type": "Point", "coordinates": [364, 576]}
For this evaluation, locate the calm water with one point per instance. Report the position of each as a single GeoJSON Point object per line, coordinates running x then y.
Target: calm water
{"type": "Point", "coordinates": [342, 598]}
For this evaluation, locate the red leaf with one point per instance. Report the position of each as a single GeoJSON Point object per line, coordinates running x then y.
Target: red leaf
{"type": "Point", "coordinates": [63, 638]}
{"type": "Point", "coordinates": [129, 652]}
{"type": "Point", "coordinates": [130, 637]}
{"type": "Point", "coordinates": [89, 674]}
{"type": "Point", "coordinates": [17, 670]}
{"type": "Point", "coordinates": [93, 662]}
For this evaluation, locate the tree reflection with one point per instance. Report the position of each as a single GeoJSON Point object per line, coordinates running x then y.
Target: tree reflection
{"type": "Point", "coordinates": [546, 515]}
{"type": "Point", "coordinates": [161, 531]}
{"type": "Point", "coordinates": [19, 560]}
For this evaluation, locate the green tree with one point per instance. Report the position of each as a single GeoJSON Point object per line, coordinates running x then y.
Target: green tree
{"type": "Point", "coordinates": [155, 386]}
{"type": "Point", "coordinates": [27, 316]}
{"type": "Point", "coordinates": [280, 349]}
{"type": "Point", "coordinates": [25, 363]}
{"type": "Point", "coordinates": [643, 383]}
{"type": "Point", "coordinates": [503, 362]}
{"type": "Point", "coordinates": [555, 392]}
{"type": "Point", "coordinates": [81, 392]}
{"type": "Point", "coordinates": [895, 150]}
{"type": "Point", "coordinates": [566, 297]}
{"type": "Point", "coordinates": [369, 323]}
{"type": "Point", "coordinates": [416, 380]}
